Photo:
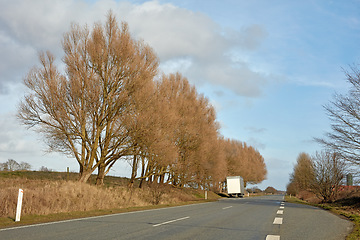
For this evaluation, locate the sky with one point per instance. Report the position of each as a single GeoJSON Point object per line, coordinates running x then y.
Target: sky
{"type": "Point", "coordinates": [267, 67]}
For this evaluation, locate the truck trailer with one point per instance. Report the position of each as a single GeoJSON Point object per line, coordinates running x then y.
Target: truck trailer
{"type": "Point", "coordinates": [235, 186]}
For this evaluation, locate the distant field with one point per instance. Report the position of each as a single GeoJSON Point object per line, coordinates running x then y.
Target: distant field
{"type": "Point", "coordinates": [54, 176]}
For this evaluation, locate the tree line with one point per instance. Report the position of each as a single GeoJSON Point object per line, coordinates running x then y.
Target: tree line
{"type": "Point", "coordinates": [12, 165]}
{"type": "Point", "coordinates": [321, 174]}
{"type": "Point", "coordinates": [324, 172]}
{"type": "Point", "coordinates": [112, 104]}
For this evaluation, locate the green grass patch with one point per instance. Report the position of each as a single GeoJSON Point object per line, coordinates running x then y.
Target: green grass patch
{"type": "Point", "coordinates": [296, 200]}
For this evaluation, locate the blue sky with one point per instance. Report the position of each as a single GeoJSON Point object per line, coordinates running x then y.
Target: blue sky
{"type": "Point", "coordinates": [266, 66]}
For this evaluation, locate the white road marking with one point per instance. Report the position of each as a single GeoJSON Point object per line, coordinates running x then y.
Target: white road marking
{"type": "Point", "coordinates": [272, 237]}
{"type": "Point", "coordinates": [282, 207]}
{"type": "Point", "coordinates": [101, 216]}
{"type": "Point", "coordinates": [280, 212]}
{"type": "Point", "coordinates": [175, 220]}
{"type": "Point", "coordinates": [278, 220]}
{"type": "Point", "coordinates": [227, 207]}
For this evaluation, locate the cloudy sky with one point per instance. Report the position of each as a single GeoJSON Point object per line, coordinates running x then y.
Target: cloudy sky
{"type": "Point", "coordinates": [266, 66]}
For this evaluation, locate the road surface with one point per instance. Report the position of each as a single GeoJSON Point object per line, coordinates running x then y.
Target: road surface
{"type": "Point", "coordinates": [266, 217]}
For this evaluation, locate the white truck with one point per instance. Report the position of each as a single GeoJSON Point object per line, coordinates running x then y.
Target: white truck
{"type": "Point", "coordinates": [235, 186]}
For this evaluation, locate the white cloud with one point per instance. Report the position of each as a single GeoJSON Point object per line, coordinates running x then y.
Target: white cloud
{"type": "Point", "coordinates": [185, 41]}
{"type": "Point", "coordinates": [14, 139]}
{"type": "Point", "coordinates": [177, 34]}
{"type": "Point", "coordinates": [20, 144]}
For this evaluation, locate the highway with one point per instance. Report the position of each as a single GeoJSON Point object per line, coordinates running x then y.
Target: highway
{"type": "Point", "coordinates": [266, 217]}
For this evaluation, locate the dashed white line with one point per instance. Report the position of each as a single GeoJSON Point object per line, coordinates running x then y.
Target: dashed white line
{"type": "Point", "coordinates": [282, 207]}
{"type": "Point", "coordinates": [272, 237]}
{"type": "Point", "coordinates": [227, 207]}
{"type": "Point", "coordinates": [280, 212]}
{"type": "Point", "coordinates": [278, 220]}
{"type": "Point", "coordinates": [175, 220]}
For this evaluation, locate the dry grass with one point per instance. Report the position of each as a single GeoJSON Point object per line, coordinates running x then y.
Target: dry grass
{"type": "Point", "coordinates": [42, 197]}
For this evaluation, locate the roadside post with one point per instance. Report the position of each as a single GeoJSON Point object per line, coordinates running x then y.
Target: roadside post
{"type": "Point", "coordinates": [205, 195]}
{"type": "Point", "coordinates": [19, 204]}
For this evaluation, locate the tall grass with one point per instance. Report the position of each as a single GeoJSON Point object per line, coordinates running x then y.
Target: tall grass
{"type": "Point", "coordinates": [45, 197]}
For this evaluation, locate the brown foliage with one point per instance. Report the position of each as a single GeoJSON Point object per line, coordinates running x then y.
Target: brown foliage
{"type": "Point", "coordinates": [303, 175]}
{"type": "Point", "coordinates": [321, 175]}
{"type": "Point", "coordinates": [270, 190]}
{"type": "Point", "coordinates": [245, 161]}
{"type": "Point", "coordinates": [107, 106]}
{"type": "Point", "coordinates": [81, 113]}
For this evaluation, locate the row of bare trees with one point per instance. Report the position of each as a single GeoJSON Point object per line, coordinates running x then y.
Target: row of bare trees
{"type": "Point", "coordinates": [111, 104]}
{"type": "Point", "coordinates": [12, 165]}
{"type": "Point", "coordinates": [321, 174]}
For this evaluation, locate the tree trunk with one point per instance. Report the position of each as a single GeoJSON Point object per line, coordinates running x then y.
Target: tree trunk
{"type": "Point", "coordinates": [101, 174]}
{"type": "Point", "coordinates": [162, 178]}
{"type": "Point", "coordinates": [133, 171]}
{"type": "Point", "coordinates": [84, 176]}
{"type": "Point", "coordinates": [141, 182]}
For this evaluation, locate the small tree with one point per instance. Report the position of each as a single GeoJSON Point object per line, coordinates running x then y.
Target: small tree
{"type": "Point", "coordinates": [45, 169]}
{"type": "Point", "coordinates": [256, 190]}
{"type": "Point", "coordinates": [329, 171]}
{"type": "Point", "coordinates": [10, 165]}
{"type": "Point", "coordinates": [24, 166]}
{"type": "Point", "coordinates": [270, 190]}
{"type": "Point", "coordinates": [291, 188]}
{"type": "Point", "coordinates": [303, 174]}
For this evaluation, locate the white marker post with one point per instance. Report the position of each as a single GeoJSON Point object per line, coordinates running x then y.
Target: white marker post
{"type": "Point", "coordinates": [19, 204]}
{"type": "Point", "coordinates": [205, 195]}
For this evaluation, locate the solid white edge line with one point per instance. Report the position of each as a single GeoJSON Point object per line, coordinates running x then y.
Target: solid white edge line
{"type": "Point", "coordinates": [175, 220]}
{"type": "Point", "coordinates": [101, 216]}
{"type": "Point", "coordinates": [272, 237]}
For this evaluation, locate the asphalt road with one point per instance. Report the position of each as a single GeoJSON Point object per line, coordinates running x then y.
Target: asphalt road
{"type": "Point", "coordinates": [257, 218]}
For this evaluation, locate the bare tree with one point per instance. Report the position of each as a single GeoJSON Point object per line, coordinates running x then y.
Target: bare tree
{"type": "Point", "coordinates": [329, 171]}
{"type": "Point", "coordinates": [10, 165]}
{"type": "Point", "coordinates": [45, 169]}
{"type": "Point", "coordinates": [344, 113]}
{"type": "Point", "coordinates": [82, 112]}
{"type": "Point", "coordinates": [24, 166]}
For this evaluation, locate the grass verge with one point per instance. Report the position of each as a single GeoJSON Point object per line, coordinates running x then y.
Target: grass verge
{"type": "Point", "coordinates": [50, 196]}
{"type": "Point", "coordinates": [337, 209]}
